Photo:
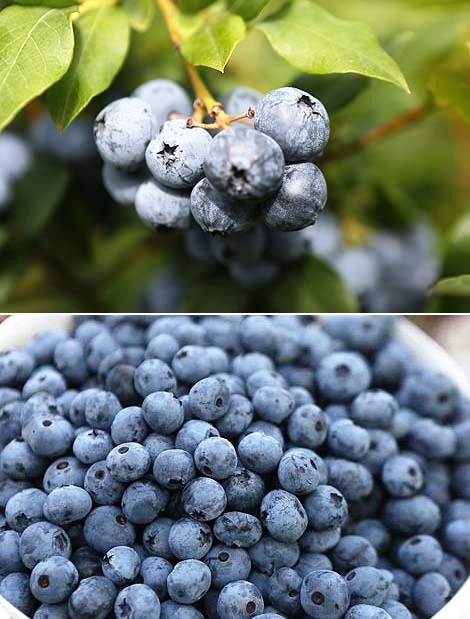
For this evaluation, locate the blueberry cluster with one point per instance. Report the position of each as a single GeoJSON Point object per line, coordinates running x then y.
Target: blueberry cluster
{"type": "Point", "coordinates": [15, 161]}
{"type": "Point", "coordinates": [376, 271]}
{"type": "Point", "coordinates": [227, 467]}
{"type": "Point", "coordinates": [228, 183]}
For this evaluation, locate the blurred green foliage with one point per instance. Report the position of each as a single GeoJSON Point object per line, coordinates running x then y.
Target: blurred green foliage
{"type": "Point", "coordinates": [65, 246]}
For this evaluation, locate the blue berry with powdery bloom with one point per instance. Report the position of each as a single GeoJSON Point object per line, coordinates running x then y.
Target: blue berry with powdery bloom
{"type": "Point", "coordinates": [342, 376]}
{"type": "Point", "coordinates": [10, 558]}
{"type": "Point", "coordinates": [456, 537]}
{"type": "Point", "coordinates": [172, 610]}
{"type": "Point", "coordinates": [453, 570]}
{"type": "Point", "coordinates": [259, 452]}
{"type": "Point", "coordinates": [51, 611]}
{"type": "Point", "coordinates": [155, 538]}
{"type": "Point", "coordinates": [420, 554]}
{"type": "Point", "coordinates": [284, 591]}
{"type": "Point", "coordinates": [42, 540]}
{"type": "Point", "coordinates": [129, 425]}
{"type": "Point", "coordinates": [25, 508]}
{"type": "Point", "coordinates": [162, 208]}
{"type": "Point", "coordinates": [165, 98]}
{"type": "Point", "coordinates": [432, 440]}
{"type": "Point", "coordinates": [375, 531]}
{"type": "Point", "coordinates": [156, 443]}
{"type": "Point", "coordinates": [154, 572]}
{"type": "Point", "coordinates": [237, 529]}
{"type": "Point", "coordinates": [239, 600]}
{"type": "Point", "coordinates": [353, 551]}
{"type": "Point", "coordinates": [46, 379]}
{"type": "Point", "coordinates": [374, 409]}
{"type": "Point", "coordinates": [106, 527]}
{"type": "Point", "coordinates": [269, 554]}
{"type": "Point", "coordinates": [101, 410]}
{"type": "Point", "coordinates": [367, 585]}
{"type": "Point", "coordinates": [189, 539]}
{"type": "Point", "coordinates": [383, 446]}
{"type": "Point", "coordinates": [244, 490]}
{"type": "Point", "coordinates": [227, 564]}
{"type": "Point", "coordinates": [128, 462]}
{"type": "Point", "coordinates": [174, 468]}
{"type": "Point", "coordinates": [137, 602]}
{"type": "Point", "coordinates": [413, 515]}
{"type": "Point", "coordinates": [204, 499]}
{"type": "Point", "coordinates": [429, 393]}
{"type": "Point", "coordinates": [402, 476]}
{"type": "Point", "coordinates": [121, 564]}
{"type": "Point", "coordinates": [53, 580]}
{"type": "Point", "coordinates": [430, 593]}
{"type": "Point", "coordinates": [163, 412]}
{"type": "Point", "coordinates": [273, 404]}
{"type": "Point", "coordinates": [48, 435]}
{"type": "Point", "coordinates": [367, 611]}
{"type": "Point", "coordinates": [395, 609]}
{"type": "Point", "coordinates": [352, 479]}
{"type": "Point", "coordinates": [15, 367]}
{"type": "Point", "coordinates": [347, 440]}
{"type": "Point", "coordinates": [324, 595]}
{"type": "Point", "coordinates": [92, 446]}
{"type": "Point", "coordinates": [283, 515]}
{"type": "Point", "coordinates": [93, 598]}
{"type": "Point", "coordinates": [67, 504]}
{"type": "Point", "coordinates": [153, 375]}
{"type": "Point", "coordinates": [103, 488]}
{"type": "Point", "coordinates": [209, 398]}
{"type": "Point", "coordinates": [326, 508]}
{"type": "Point", "coordinates": [238, 416]}
{"type": "Point", "coordinates": [163, 346]}
{"type": "Point", "coordinates": [87, 561]}
{"type": "Point", "coordinates": [216, 457]}
{"type": "Point", "coordinates": [189, 581]}
{"type": "Point", "coordinates": [15, 589]}
{"type": "Point", "coordinates": [19, 462]}
{"type": "Point", "coordinates": [69, 358]}
{"type": "Point", "coordinates": [312, 561]}
{"type": "Point", "coordinates": [298, 472]}
{"type": "Point", "coordinates": [143, 501]}
{"type": "Point", "coordinates": [194, 432]}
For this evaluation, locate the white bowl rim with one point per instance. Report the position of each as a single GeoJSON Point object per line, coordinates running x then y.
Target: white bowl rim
{"type": "Point", "coordinates": [19, 328]}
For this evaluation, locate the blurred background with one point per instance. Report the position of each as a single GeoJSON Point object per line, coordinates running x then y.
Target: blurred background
{"type": "Point", "coordinates": [66, 246]}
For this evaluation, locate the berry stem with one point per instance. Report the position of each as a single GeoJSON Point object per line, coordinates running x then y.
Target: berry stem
{"type": "Point", "coordinates": [400, 122]}
{"type": "Point", "coordinates": [205, 99]}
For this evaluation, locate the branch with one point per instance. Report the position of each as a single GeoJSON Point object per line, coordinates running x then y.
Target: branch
{"type": "Point", "coordinates": [400, 122]}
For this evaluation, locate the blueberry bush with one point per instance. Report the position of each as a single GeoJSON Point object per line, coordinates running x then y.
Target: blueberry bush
{"type": "Point", "coordinates": [263, 155]}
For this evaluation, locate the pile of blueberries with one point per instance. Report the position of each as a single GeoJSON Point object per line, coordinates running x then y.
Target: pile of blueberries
{"type": "Point", "coordinates": [227, 467]}
{"type": "Point", "coordinates": [244, 175]}
{"type": "Point", "coordinates": [15, 160]}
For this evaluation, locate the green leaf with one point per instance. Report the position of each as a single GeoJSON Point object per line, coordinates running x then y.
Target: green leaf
{"type": "Point", "coordinates": [453, 286]}
{"type": "Point", "coordinates": [194, 6]}
{"type": "Point", "coordinates": [36, 197]}
{"type": "Point", "coordinates": [102, 41]}
{"type": "Point", "coordinates": [36, 47]}
{"type": "Point", "coordinates": [311, 286]}
{"type": "Point", "coordinates": [248, 9]}
{"type": "Point", "coordinates": [55, 4]}
{"type": "Point", "coordinates": [315, 41]}
{"type": "Point", "coordinates": [212, 44]}
{"type": "Point", "coordinates": [140, 13]}
{"type": "Point", "coordinates": [450, 84]}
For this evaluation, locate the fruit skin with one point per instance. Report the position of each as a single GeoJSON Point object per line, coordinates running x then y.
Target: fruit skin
{"type": "Point", "coordinates": [283, 515]}
{"type": "Point", "coordinates": [176, 156]}
{"type": "Point", "coordinates": [324, 595]}
{"type": "Point", "coordinates": [122, 186]}
{"type": "Point", "coordinates": [366, 611]}
{"type": "Point", "coordinates": [122, 131]}
{"type": "Point", "coordinates": [53, 580]}
{"type": "Point", "coordinates": [155, 571]}
{"type": "Point", "coordinates": [239, 600]}
{"type": "Point", "coordinates": [189, 581]}
{"type": "Point", "coordinates": [93, 598]}
{"type": "Point", "coordinates": [42, 540]}
{"type": "Point", "coordinates": [244, 165]}
{"type": "Point", "coordinates": [430, 593]}
{"type": "Point", "coordinates": [121, 564]}
{"type": "Point", "coordinates": [106, 527]}
{"type": "Point", "coordinates": [301, 196]}
{"type": "Point", "coordinates": [296, 120]}
{"type": "Point", "coordinates": [15, 589]}
{"type": "Point", "coordinates": [164, 97]}
{"type": "Point", "coordinates": [67, 504]}
{"type": "Point", "coordinates": [238, 100]}
{"type": "Point", "coordinates": [216, 214]}
{"type": "Point", "coordinates": [190, 539]}
{"type": "Point", "coordinates": [162, 208]}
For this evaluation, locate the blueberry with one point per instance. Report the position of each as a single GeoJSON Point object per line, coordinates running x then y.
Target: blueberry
{"type": "Point", "coordinates": [456, 537]}
{"type": "Point", "coordinates": [143, 501]}
{"type": "Point", "coordinates": [155, 538]}
{"type": "Point", "coordinates": [48, 435]}
{"type": "Point", "coordinates": [42, 345]}
{"type": "Point", "coordinates": [25, 508]}
{"type": "Point", "coordinates": [69, 358]}
{"type": "Point", "coordinates": [342, 376]}
{"type": "Point", "coordinates": [209, 398]}
{"type": "Point", "coordinates": [191, 364]}
{"type": "Point", "coordinates": [410, 516]}
{"type": "Point", "coordinates": [93, 598]}
{"type": "Point", "coordinates": [238, 416]}
{"type": "Point", "coordinates": [172, 610]}
{"type": "Point", "coordinates": [244, 165]}
{"type": "Point", "coordinates": [352, 478]}
{"type": "Point", "coordinates": [420, 554]}
{"type": "Point", "coordinates": [189, 539]}
{"type": "Point", "coordinates": [176, 156]}
{"type": "Point", "coordinates": [192, 433]}
{"type": "Point", "coordinates": [367, 611]}
{"type": "Point", "coordinates": [128, 462]}
{"type": "Point", "coordinates": [320, 541]}
{"type": "Point", "coordinates": [123, 185]}
{"type": "Point", "coordinates": [244, 490]}
{"type": "Point", "coordinates": [162, 208]}
{"type": "Point", "coordinates": [453, 570]}
{"type": "Point", "coordinates": [15, 589]}
{"type": "Point", "coordinates": [106, 527]}
{"type": "Point", "coordinates": [239, 600]}
{"type": "Point", "coordinates": [240, 99]}
{"type": "Point", "coordinates": [101, 410]}
{"type": "Point", "coordinates": [273, 404]}
{"type": "Point", "coordinates": [216, 457]}
{"type": "Point", "coordinates": [67, 504]}
{"type": "Point", "coordinates": [367, 585]}
{"type": "Point", "coordinates": [227, 564]}
{"type": "Point", "coordinates": [15, 155]}
{"type": "Point", "coordinates": [42, 540]}
{"type": "Point", "coordinates": [122, 131]}
{"type": "Point", "coordinates": [92, 446]}
{"type": "Point", "coordinates": [237, 529]}
{"type": "Point", "coordinates": [10, 558]}
{"type": "Point", "coordinates": [174, 468]}
{"type": "Point", "coordinates": [259, 452]}
{"type": "Point", "coordinates": [347, 440]}
{"type": "Point", "coordinates": [324, 595]}
{"type": "Point", "coordinates": [53, 580]}
{"type": "Point", "coordinates": [296, 120]}
{"type": "Point", "coordinates": [301, 196]}
{"type": "Point", "coordinates": [374, 409]}
{"type": "Point", "coordinates": [154, 572]}
{"type": "Point", "coordinates": [283, 515]}
{"type": "Point", "coordinates": [402, 476]}
{"type": "Point", "coordinates": [383, 446]}
{"type": "Point", "coordinates": [269, 554]}
{"type": "Point", "coordinates": [312, 561]}
{"type": "Point", "coordinates": [244, 365]}
{"type": "Point", "coordinates": [432, 440]}
{"type": "Point", "coordinates": [430, 593]}
{"type": "Point", "coordinates": [163, 412]}
{"type": "Point", "coordinates": [204, 499]}
{"type": "Point", "coordinates": [51, 611]}
{"type": "Point", "coordinates": [375, 531]}
{"type": "Point", "coordinates": [395, 609]}
{"type": "Point", "coordinates": [189, 581]}
{"type": "Point", "coordinates": [163, 346]}
{"type": "Point", "coordinates": [353, 551]}
{"type": "Point", "coordinates": [154, 375]}
{"type": "Point", "coordinates": [16, 366]}
{"type": "Point", "coordinates": [165, 98]}
{"type": "Point", "coordinates": [284, 590]}
{"type": "Point", "coordinates": [121, 564]}
{"type": "Point", "coordinates": [429, 393]}
{"type": "Point", "coordinates": [129, 425]}
{"type": "Point", "coordinates": [87, 561]}
{"type": "Point", "coordinates": [103, 488]}
{"type": "Point", "coordinates": [326, 508]}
